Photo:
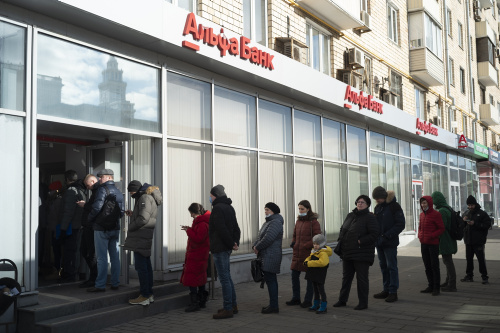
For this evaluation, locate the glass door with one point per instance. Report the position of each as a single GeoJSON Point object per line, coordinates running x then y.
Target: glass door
{"type": "Point", "coordinates": [455, 196]}
{"type": "Point", "coordinates": [417, 193]}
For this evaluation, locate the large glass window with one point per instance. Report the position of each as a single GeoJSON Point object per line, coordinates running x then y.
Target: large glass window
{"type": "Point", "coordinates": [318, 44]}
{"type": "Point", "coordinates": [378, 171]}
{"type": "Point", "coordinates": [356, 145]}
{"type": "Point", "coordinates": [254, 20]}
{"type": "Point", "coordinates": [392, 169]}
{"type": "Point", "coordinates": [358, 183]}
{"type": "Point", "coordinates": [234, 118]}
{"type": "Point", "coordinates": [337, 206]}
{"type": "Point", "coordinates": [189, 105]}
{"type": "Point", "coordinates": [392, 23]}
{"type": "Point", "coordinates": [406, 199]}
{"type": "Point", "coordinates": [432, 36]}
{"type": "Point", "coordinates": [377, 141]}
{"type": "Point", "coordinates": [275, 127]}
{"type": "Point", "coordinates": [12, 66]}
{"type": "Point", "coordinates": [309, 185]}
{"type": "Point", "coordinates": [78, 83]}
{"type": "Point", "coordinates": [391, 145]}
{"type": "Point", "coordinates": [427, 175]}
{"type": "Point", "coordinates": [334, 140]}
{"type": "Point", "coordinates": [307, 131]}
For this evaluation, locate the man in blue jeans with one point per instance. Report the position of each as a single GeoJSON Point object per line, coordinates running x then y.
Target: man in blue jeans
{"type": "Point", "coordinates": [106, 241]}
{"type": "Point", "coordinates": [224, 235]}
{"type": "Point", "coordinates": [391, 220]}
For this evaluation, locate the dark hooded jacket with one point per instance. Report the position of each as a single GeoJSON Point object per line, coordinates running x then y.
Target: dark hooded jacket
{"type": "Point", "coordinates": [143, 220]}
{"type": "Point", "coordinates": [223, 229]}
{"type": "Point", "coordinates": [71, 214]}
{"type": "Point", "coordinates": [362, 226]}
{"type": "Point", "coordinates": [99, 203]}
{"type": "Point", "coordinates": [447, 245]}
{"type": "Point", "coordinates": [391, 221]}
{"type": "Point", "coordinates": [269, 243]}
{"type": "Point", "coordinates": [305, 229]}
{"type": "Point", "coordinates": [431, 224]}
{"type": "Point", "coordinates": [476, 234]}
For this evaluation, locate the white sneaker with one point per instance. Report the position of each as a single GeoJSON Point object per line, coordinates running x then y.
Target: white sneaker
{"type": "Point", "coordinates": [139, 301]}
{"type": "Point", "coordinates": [151, 299]}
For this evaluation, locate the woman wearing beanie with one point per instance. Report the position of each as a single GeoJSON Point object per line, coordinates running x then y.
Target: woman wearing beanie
{"type": "Point", "coordinates": [194, 274]}
{"type": "Point", "coordinates": [268, 247]}
{"type": "Point", "coordinates": [306, 227]}
{"type": "Point", "coordinates": [317, 266]}
{"type": "Point", "coordinates": [357, 238]}
{"type": "Point", "coordinates": [431, 226]}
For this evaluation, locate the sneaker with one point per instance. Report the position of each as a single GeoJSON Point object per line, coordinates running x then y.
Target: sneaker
{"type": "Point", "coordinates": [339, 304]}
{"type": "Point", "coordinates": [427, 290]}
{"type": "Point", "coordinates": [95, 290]}
{"type": "Point", "coordinates": [485, 281]}
{"type": "Point", "coordinates": [293, 302]}
{"type": "Point", "coordinates": [392, 298]}
{"type": "Point", "coordinates": [141, 300]}
{"type": "Point", "coordinates": [381, 295]}
{"type": "Point", "coordinates": [224, 314]}
{"type": "Point", "coordinates": [467, 279]}
{"type": "Point", "coordinates": [151, 299]}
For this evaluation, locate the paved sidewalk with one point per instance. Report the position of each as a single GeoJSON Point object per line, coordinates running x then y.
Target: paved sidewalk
{"type": "Point", "coordinates": [474, 308]}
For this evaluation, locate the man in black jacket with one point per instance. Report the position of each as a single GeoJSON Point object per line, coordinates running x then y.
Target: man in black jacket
{"type": "Point", "coordinates": [475, 233]}
{"type": "Point", "coordinates": [391, 220]}
{"type": "Point", "coordinates": [224, 235]}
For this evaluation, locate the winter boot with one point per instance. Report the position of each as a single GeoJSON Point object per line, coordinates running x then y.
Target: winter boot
{"type": "Point", "coordinates": [322, 308]}
{"type": "Point", "coordinates": [315, 305]}
{"type": "Point", "coordinates": [195, 303]}
{"type": "Point", "coordinates": [203, 296]}
{"type": "Point", "coordinates": [467, 278]}
{"type": "Point", "coordinates": [445, 284]}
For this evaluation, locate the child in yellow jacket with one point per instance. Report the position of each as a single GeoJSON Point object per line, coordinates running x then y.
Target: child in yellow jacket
{"type": "Point", "coordinates": [317, 267]}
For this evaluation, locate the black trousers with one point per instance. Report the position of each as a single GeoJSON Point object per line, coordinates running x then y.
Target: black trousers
{"type": "Point", "coordinates": [70, 250]}
{"type": "Point", "coordinates": [319, 291]}
{"type": "Point", "coordinates": [478, 250]}
{"type": "Point", "coordinates": [430, 256]}
{"type": "Point", "coordinates": [87, 249]}
{"type": "Point", "coordinates": [361, 269]}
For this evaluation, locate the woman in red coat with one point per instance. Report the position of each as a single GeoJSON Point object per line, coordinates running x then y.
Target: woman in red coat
{"type": "Point", "coordinates": [430, 228]}
{"type": "Point", "coordinates": [194, 275]}
{"type": "Point", "coordinates": [306, 227]}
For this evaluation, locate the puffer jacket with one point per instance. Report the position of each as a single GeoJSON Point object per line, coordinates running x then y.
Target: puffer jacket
{"type": "Point", "coordinates": [362, 226]}
{"type": "Point", "coordinates": [391, 220]}
{"type": "Point", "coordinates": [447, 245]}
{"type": "Point", "coordinates": [431, 224]}
{"type": "Point", "coordinates": [317, 264]}
{"type": "Point", "coordinates": [87, 208]}
{"type": "Point", "coordinates": [197, 251]}
{"type": "Point", "coordinates": [72, 214]}
{"type": "Point", "coordinates": [269, 243]}
{"type": "Point", "coordinates": [305, 229]}
{"type": "Point", "coordinates": [143, 220]}
{"type": "Point", "coordinates": [476, 234]}
{"type": "Point", "coordinates": [223, 228]}
{"type": "Point", "coordinates": [99, 203]}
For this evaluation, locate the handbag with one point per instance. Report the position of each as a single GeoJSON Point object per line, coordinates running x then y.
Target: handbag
{"type": "Point", "coordinates": [338, 249]}
{"type": "Point", "coordinates": [257, 272]}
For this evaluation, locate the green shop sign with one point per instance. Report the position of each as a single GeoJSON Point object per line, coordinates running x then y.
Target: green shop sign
{"type": "Point", "coordinates": [480, 150]}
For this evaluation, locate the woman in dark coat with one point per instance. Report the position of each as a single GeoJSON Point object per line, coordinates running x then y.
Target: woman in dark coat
{"type": "Point", "coordinates": [194, 274]}
{"type": "Point", "coordinates": [306, 227]}
{"type": "Point", "coordinates": [357, 238]}
{"type": "Point", "coordinates": [268, 247]}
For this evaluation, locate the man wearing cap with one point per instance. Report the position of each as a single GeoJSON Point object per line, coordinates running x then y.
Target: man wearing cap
{"type": "Point", "coordinates": [475, 233]}
{"type": "Point", "coordinates": [391, 220]}
{"type": "Point", "coordinates": [106, 241]}
{"type": "Point", "coordinates": [224, 235]}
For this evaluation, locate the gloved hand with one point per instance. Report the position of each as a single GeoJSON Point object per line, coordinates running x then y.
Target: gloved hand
{"type": "Point", "coordinates": [292, 244]}
{"type": "Point", "coordinates": [305, 263]}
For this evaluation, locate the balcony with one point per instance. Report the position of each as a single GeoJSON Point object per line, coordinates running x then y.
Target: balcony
{"type": "Point", "coordinates": [487, 74]}
{"type": "Point", "coordinates": [483, 29]}
{"type": "Point", "coordinates": [426, 67]}
{"type": "Point", "coordinates": [486, 3]}
{"type": "Point", "coordinates": [430, 6]}
{"type": "Point", "coordinates": [489, 114]}
{"type": "Point", "coordinates": [342, 14]}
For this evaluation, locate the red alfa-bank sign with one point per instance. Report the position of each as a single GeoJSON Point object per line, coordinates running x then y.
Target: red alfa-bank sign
{"type": "Point", "coordinates": [364, 101]}
{"type": "Point", "coordinates": [225, 45]}
{"type": "Point", "coordinates": [426, 128]}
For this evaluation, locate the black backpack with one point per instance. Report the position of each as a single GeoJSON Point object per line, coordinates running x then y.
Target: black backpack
{"type": "Point", "coordinates": [110, 212]}
{"type": "Point", "coordinates": [457, 225]}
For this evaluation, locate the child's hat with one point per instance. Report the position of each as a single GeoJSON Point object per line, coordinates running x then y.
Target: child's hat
{"type": "Point", "coordinates": [320, 240]}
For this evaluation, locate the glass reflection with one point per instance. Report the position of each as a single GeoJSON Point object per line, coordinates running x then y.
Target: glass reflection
{"type": "Point", "coordinates": [12, 66]}
{"type": "Point", "coordinates": [356, 145]}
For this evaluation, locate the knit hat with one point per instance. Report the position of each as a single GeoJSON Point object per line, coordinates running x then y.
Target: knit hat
{"type": "Point", "coordinates": [471, 200]}
{"type": "Point", "coordinates": [134, 186]}
{"type": "Point", "coordinates": [218, 191]}
{"type": "Point", "coordinates": [365, 198]}
{"type": "Point", "coordinates": [379, 193]}
{"type": "Point", "coordinates": [320, 240]}
{"type": "Point", "coordinates": [272, 206]}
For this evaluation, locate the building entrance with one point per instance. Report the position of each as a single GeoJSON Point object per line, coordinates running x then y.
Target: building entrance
{"type": "Point", "coordinates": [417, 193]}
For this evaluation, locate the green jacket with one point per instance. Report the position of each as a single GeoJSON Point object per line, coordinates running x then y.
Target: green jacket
{"type": "Point", "coordinates": [447, 245]}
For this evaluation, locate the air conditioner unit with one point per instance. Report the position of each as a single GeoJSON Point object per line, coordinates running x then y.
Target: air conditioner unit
{"type": "Point", "coordinates": [366, 19]}
{"type": "Point", "coordinates": [416, 43]}
{"type": "Point", "coordinates": [356, 57]}
{"type": "Point", "coordinates": [353, 79]}
{"type": "Point", "coordinates": [294, 49]}
{"type": "Point", "coordinates": [436, 121]}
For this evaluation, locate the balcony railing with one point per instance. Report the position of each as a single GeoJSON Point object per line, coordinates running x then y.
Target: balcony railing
{"type": "Point", "coordinates": [487, 74]}
{"type": "Point", "coordinates": [426, 67]}
{"type": "Point", "coordinates": [489, 114]}
{"type": "Point", "coordinates": [342, 14]}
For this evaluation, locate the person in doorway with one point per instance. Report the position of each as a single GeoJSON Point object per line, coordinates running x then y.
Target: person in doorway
{"type": "Point", "coordinates": [357, 239]}
{"type": "Point", "coordinates": [431, 226]}
{"type": "Point", "coordinates": [268, 247]}
{"type": "Point", "coordinates": [447, 245]}
{"type": "Point", "coordinates": [140, 235]}
{"type": "Point", "coordinates": [306, 227]}
{"type": "Point", "coordinates": [87, 247]}
{"type": "Point", "coordinates": [194, 274]}
{"type": "Point", "coordinates": [475, 234]}
{"type": "Point", "coordinates": [224, 235]}
{"type": "Point", "coordinates": [106, 241]}
{"type": "Point", "coordinates": [391, 221]}
{"type": "Point", "coordinates": [70, 224]}
{"type": "Point", "coordinates": [317, 266]}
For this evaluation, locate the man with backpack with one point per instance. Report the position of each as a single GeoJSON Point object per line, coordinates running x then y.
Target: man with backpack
{"type": "Point", "coordinates": [391, 222]}
{"type": "Point", "coordinates": [475, 233]}
{"type": "Point", "coordinates": [106, 212]}
{"type": "Point", "coordinates": [447, 245]}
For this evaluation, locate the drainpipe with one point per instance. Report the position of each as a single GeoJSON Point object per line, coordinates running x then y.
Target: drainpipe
{"type": "Point", "coordinates": [447, 60]}
{"type": "Point", "coordinates": [469, 52]}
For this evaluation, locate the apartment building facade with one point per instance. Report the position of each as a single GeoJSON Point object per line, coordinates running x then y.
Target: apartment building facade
{"type": "Point", "coordinates": [278, 100]}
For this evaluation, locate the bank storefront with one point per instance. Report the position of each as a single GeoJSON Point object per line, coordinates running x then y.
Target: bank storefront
{"type": "Point", "coordinates": [162, 106]}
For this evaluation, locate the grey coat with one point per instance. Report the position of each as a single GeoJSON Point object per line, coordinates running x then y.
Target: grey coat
{"type": "Point", "coordinates": [269, 245]}
{"type": "Point", "coordinates": [143, 221]}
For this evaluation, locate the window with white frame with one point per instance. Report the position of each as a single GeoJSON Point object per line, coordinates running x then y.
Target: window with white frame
{"type": "Point", "coordinates": [460, 35]}
{"type": "Point", "coordinates": [255, 20]}
{"type": "Point", "coordinates": [451, 71]}
{"type": "Point", "coordinates": [364, 5]}
{"type": "Point", "coordinates": [392, 23]}
{"type": "Point", "coordinates": [318, 43]}
{"type": "Point", "coordinates": [448, 22]}
{"type": "Point", "coordinates": [492, 101]}
{"type": "Point", "coordinates": [433, 36]}
{"type": "Point", "coordinates": [188, 5]}
{"type": "Point", "coordinates": [419, 103]}
{"type": "Point", "coordinates": [397, 89]}
{"type": "Point", "coordinates": [462, 80]}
